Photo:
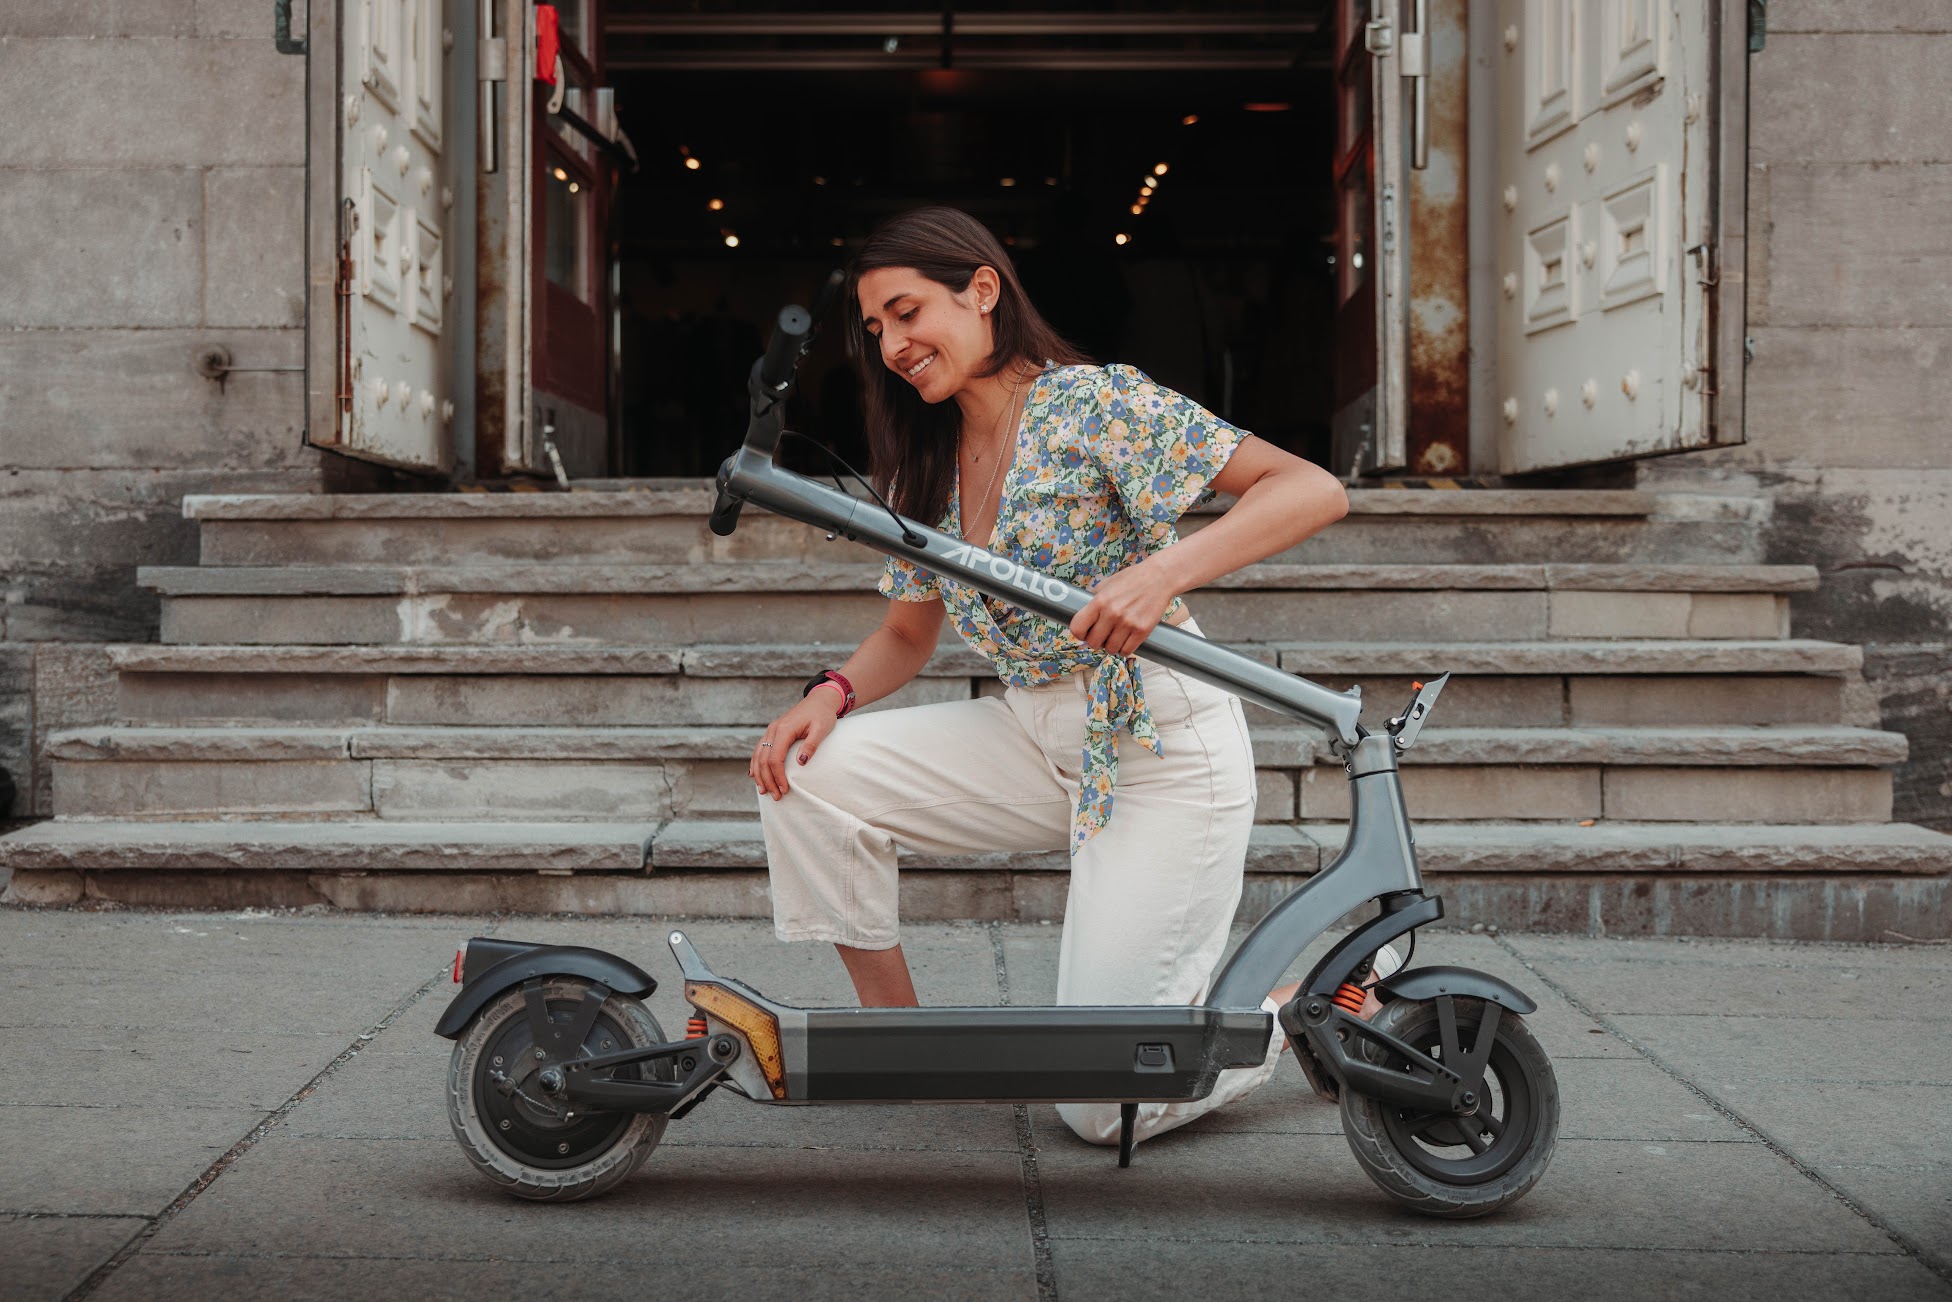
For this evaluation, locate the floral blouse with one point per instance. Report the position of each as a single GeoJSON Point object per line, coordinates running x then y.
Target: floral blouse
{"type": "Point", "coordinates": [1107, 461]}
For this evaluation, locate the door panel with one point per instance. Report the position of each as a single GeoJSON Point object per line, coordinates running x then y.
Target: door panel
{"type": "Point", "coordinates": [394, 401]}
{"type": "Point", "coordinates": [1606, 227]}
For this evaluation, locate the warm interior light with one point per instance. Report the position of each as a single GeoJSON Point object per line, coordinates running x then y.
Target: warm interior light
{"type": "Point", "coordinates": [1189, 119]}
{"type": "Point", "coordinates": [1050, 180]}
{"type": "Point", "coordinates": [1356, 261]}
{"type": "Point", "coordinates": [1137, 208]}
{"type": "Point", "coordinates": [561, 175]}
{"type": "Point", "coordinates": [715, 204]}
{"type": "Point", "coordinates": [820, 180]}
{"type": "Point", "coordinates": [1267, 106]}
{"type": "Point", "coordinates": [692, 164]}
{"type": "Point", "coordinates": [759, 1027]}
{"type": "Point", "coordinates": [1008, 181]}
{"type": "Point", "coordinates": [1120, 239]}
{"type": "Point", "coordinates": [837, 241]}
{"type": "Point", "coordinates": [1158, 169]}
{"type": "Point", "coordinates": [573, 187]}
{"type": "Point", "coordinates": [1151, 182]}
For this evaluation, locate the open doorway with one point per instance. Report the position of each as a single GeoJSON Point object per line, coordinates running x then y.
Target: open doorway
{"type": "Point", "coordinates": [1165, 180]}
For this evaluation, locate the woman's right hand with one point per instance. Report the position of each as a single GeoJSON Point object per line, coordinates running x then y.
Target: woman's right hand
{"type": "Point", "coordinates": [812, 719]}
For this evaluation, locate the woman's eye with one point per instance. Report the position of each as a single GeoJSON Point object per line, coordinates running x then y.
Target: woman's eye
{"type": "Point", "coordinates": [909, 314]}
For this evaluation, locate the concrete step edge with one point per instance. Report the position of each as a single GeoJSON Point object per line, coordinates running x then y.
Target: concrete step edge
{"type": "Point", "coordinates": [1527, 849]}
{"type": "Point", "coordinates": [695, 496]}
{"type": "Point", "coordinates": [1276, 745]}
{"type": "Point", "coordinates": [1670, 656]}
{"type": "Point", "coordinates": [351, 846]}
{"type": "Point", "coordinates": [804, 577]}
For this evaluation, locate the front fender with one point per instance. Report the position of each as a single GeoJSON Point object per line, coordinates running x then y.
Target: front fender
{"type": "Point", "coordinates": [1430, 982]}
{"type": "Point", "coordinates": [621, 975]}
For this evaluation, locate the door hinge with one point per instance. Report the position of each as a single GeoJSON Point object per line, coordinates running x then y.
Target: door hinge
{"type": "Point", "coordinates": [491, 58]}
{"type": "Point", "coordinates": [1379, 37]}
{"type": "Point", "coordinates": [1758, 25]}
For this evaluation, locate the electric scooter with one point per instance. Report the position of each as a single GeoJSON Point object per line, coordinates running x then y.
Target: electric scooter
{"type": "Point", "coordinates": [561, 1083]}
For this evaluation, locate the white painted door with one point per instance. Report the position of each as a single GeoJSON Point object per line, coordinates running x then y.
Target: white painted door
{"type": "Point", "coordinates": [1605, 229]}
{"type": "Point", "coordinates": [396, 199]}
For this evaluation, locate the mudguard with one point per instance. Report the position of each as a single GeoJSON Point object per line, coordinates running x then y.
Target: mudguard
{"type": "Point", "coordinates": [1429, 982]}
{"type": "Point", "coordinates": [622, 976]}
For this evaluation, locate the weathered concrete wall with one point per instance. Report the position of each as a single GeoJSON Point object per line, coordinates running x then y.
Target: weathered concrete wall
{"type": "Point", "coordinates": [1850, 313]}
{"type": "Point", "coordinates": [151, 202]}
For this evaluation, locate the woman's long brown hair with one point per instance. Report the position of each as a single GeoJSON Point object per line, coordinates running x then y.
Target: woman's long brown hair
{"type": "Point", "coordinates": [913, 443]}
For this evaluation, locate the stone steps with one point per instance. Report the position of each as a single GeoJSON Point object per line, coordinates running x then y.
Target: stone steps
{"type": "Point", "coordinates": [1543, 684]}
{"type": "Point", "coordinates": [662, 521]}
{"type": "Point", "coordinates": [1776, 775]}
{"type": "Point", "coordinates": [1841, 883]}
{"type": "Point", "coordinates": [760, 601]}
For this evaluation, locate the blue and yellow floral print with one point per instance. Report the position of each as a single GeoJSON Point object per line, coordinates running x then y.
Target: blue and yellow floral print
{"type": "Point", "coordinates": [1107, 462]}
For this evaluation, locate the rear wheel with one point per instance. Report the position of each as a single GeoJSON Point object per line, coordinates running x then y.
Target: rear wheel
{"type": "Point", "coordinates": [534, 1145]}
{"type": "Point", "coordinates": [1450, 1166]}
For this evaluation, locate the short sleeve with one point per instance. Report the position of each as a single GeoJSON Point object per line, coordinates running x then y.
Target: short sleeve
{"type": "Point", "coordinates": [1160, 449]}
{"type": "Point", "coordinates": [907, 581]}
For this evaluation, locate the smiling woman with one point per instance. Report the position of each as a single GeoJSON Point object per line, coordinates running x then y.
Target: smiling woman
{"type": "Point", "coordinates": [984, 422]}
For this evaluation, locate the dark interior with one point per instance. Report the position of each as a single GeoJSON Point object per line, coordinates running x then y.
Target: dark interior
{"type": "Point", "coordinates": [1223, 288]}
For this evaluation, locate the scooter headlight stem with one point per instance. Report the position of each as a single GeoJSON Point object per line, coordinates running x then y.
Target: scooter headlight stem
{"type": "Point", "coordinates": [760, 1028]}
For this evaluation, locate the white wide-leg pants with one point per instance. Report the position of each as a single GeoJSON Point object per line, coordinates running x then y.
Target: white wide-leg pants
{"type": "Point", "coordinates": [1151, 896]}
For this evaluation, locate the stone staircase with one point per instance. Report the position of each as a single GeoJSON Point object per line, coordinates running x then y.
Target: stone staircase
{"type": "Point", "coordinates": [545, 702]}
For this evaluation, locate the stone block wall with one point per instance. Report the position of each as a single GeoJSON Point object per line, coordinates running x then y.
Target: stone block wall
{"type": "Point", "coordinates": [1849, 391]}
{"type": "Point", "coordinates": [151, 202]}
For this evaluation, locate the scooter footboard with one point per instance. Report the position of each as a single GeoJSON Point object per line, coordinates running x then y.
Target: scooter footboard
{"type": "Point", "coordinates": [1050, 1055]}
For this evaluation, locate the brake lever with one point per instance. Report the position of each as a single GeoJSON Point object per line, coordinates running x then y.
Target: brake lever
{"type": "Point", "coordinates": [1403, 729]}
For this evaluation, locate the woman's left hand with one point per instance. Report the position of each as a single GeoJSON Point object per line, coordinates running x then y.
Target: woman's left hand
{"type": "Point", "coordinates": [1124, 609]}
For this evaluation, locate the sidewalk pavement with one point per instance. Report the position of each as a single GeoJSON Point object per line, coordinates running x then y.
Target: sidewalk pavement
{"type": "Point", "coordinates": [250, 1105]}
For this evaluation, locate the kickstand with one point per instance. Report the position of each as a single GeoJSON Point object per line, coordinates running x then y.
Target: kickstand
{"type": "Point", "coordinates": [1128, 1114]}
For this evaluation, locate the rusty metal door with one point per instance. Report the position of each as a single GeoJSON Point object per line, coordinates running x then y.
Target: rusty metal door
{"type": "Point", "coordinates": [1381, 60]}
{"type": "Point", "coordinates": [1607, 117]}
{"type": "Point", "coordinates": [394, 399]}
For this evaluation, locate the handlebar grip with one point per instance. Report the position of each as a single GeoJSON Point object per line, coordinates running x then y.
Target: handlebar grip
{"type": "Point", "coordinates": [725, 511]}
{"type": "Point", "coordinates": [783, 349]}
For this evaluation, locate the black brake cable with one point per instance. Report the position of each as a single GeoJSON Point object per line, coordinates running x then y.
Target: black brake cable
{"type": "Point", "coordinates": [908, 535]}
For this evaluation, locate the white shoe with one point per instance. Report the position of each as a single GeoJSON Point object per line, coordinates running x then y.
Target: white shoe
{"type": "Point", "coordinates": [1387, 963]}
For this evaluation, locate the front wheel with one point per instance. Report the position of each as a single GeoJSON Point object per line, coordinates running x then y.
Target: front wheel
{"type": "Point", "coordinates": [531, 1144]}
{"type": "Point", "coordinates": [1459, 1167]}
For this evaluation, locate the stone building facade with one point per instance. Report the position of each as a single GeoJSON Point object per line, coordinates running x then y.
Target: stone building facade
{"type": "Point", "coordinates": [155, 208]}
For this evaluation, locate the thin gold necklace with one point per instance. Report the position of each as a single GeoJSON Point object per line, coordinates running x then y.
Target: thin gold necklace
{"type": "Point", "coordinates": [997, 468]}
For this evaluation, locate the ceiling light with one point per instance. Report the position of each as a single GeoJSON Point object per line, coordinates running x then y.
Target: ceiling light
{"type": "Point", "coordinates": [1121, 239]}
{"type": "Point", "coordinates": [1050, 180]}
{"type": "Point", "coordinates": [692, 164]}
{"type": "Point", "coordinates": [1158, 169]}
{"type": "Point", "coordinates": [1137, 208]}
{"type": "Point", "coordinates": [715, 204]}
{"type": "Point", "coordinates": [1007, 181]}
{"type": "Point", "coordinates": [1189, 119]}
{"type": "Point", "coordinates": [837, 241]}
{"type": "Point", "coordinates": [561, 175]}
{"type": "Point", "coordinates": [1355, 260]}
{"type": "Point", "coordinates": [1151, 182]}
{"type": "Point", "coordinates": [820, 180]}
{"type": "Point", "coordinates": [731, 240]}
{"type": "Point", "coordinates": [1267, 106]}
{"type": "Point", "coordinates": [573, 187]}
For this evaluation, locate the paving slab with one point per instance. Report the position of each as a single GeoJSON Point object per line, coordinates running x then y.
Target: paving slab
{"type": "Point", "coordinates": [1739, 1049]}
{"type": "Point", "coordinates": [46, 1256]}
{"type": "Point", "coordinates": [733, 1206]}
{"type": "Point", "coordinates": [1125, 1270]}
{"type": "Point", "coordinates": [131, 1160]}
{"type": "Point", "coordinates": [1308, 1189]}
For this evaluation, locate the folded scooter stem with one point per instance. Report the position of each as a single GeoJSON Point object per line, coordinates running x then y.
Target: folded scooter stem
{"type": "Point", "coordinates": [751, 475]}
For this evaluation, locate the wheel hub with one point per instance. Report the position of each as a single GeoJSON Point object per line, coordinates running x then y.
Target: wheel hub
{"type": "Point", "coordinates": [517, 1108]}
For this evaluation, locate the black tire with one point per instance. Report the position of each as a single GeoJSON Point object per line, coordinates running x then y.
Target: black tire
{"type": "Point", "coordinates": [521, 1141]}
{"type": "Point", "coordinates": [1430, 1162]}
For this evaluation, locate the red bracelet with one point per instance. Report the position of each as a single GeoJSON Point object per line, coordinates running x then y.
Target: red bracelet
{"type": "Point", "coordinates": [838, 681]}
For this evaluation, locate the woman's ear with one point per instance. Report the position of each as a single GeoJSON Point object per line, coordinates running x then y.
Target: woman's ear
{"type": "Point", "coordinates": [984, 287]}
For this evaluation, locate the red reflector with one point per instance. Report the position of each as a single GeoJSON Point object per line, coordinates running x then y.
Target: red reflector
{"type": "Point", "coordinates": [457, 965]}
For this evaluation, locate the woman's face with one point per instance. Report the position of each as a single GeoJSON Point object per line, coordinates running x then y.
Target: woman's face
{"type": "Point", "coordinates": [933, 339]}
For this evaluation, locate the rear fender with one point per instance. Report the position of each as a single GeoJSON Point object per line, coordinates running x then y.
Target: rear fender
{"type": "Point", "coordinates": [620, 975]}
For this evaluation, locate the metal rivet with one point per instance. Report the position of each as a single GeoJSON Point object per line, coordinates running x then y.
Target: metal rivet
{"type": "Point", "coordinates": [1591, 155]}
{"type": "Point", "coordinates": [1511, 198]}
{"type": "Point", "coordinates": [1552, 402]}
{"type": "Point", "coordinates": [447, 39]}
{"type": "Point", "coordinates": [447, 409]}
{"type": "Point", "coordinates": [1551, 177]}
{"type": "Point", "coordinates": [1633, 136]}
{"type": "Point", "coordinates": [426, 179]}
{"type": "Point", "coordinates": [1630, 384]}
{"type": "Point", "coordinates": [402, 158]}
{"type": "Point", "coordinates": [504, 1123]}
{"type": "Point", "coordinates": [1511, 284]}
{"type": "Point", "coordinates": [1589, 252]}
{"type": "Point", "coordinates": [1694, 109]}
{"type": "Point", "coordinates": [379, 137]}
{"type": "Point", "coordinates": [1511, 37]}
{"type": "Point", "coordinates": [402, 391]}
{"type": "Point", "coordinates": [1589, 392]}
{"type": "Point", "coordinates": [447, 196]}
{"type": "Point", "coordinates": [381, 394]}
{"type": "Point", "coordinates": [426, 404]}
{"type": "Point", "coordinates": [1511, 411]}
{"type": "Point", "coordinates": [562, 1148]}
{"type": "Point", "coordinates": [352, 110]}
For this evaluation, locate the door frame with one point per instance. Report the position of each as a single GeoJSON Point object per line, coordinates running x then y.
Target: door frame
{"type": "Point", "coordinates": [323, 360]}
{"type": "Point", "coordinates": [1728, 296]}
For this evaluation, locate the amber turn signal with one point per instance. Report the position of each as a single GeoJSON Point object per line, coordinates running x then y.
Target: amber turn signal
{"type": "Point", "coordinates": [760, 1028]}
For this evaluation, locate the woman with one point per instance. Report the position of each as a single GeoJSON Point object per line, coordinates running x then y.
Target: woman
{"type": "Point", "coordinates": [979, 416]}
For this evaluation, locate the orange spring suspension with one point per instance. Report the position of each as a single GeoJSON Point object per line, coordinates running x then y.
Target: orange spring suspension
{"type": "Point", "coordinates": [1349, 998]}
{"type": "Point", "coordinates": [695, 1028]}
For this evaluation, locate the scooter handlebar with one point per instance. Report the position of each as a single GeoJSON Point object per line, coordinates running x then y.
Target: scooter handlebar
{"type": "Point", "coordinates": [790, 335]}
{"type": "Point", "coordinates": [725, 511]}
